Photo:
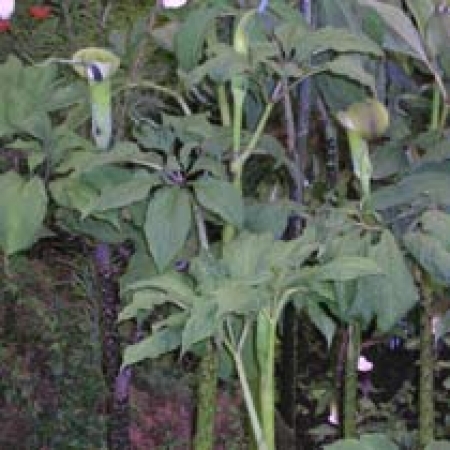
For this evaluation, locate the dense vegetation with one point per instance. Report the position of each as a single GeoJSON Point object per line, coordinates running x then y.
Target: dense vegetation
{"type": "Point", "coordinates": [225, 225]}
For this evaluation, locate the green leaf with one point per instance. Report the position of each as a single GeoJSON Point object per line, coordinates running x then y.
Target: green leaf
{"type": "Point", "coordinates": [351, 67]}
{"type": "Point", "coordinates": [345, 444]}
{"type": "Point", "coordinates": [123, 194]}
{"type": "Point", "coordinates": [430, 254]}
{"type": "Point", "coordinates": [308, 44]}
{"type": "Point", "coordinates": [421, 11]}
{"type": "Point", "coordinates": [172, 283]}
{"type": "Point", "coordinates": [438, 445]}
{"type": "Point", "coordinates": [201, 324]}
{"type": "Point", "coordinates": [144, 300]}
{"type": "Point", "coordinates": [167, 224]}
{"type": "Point", "coordinates": [345, 268]}
{"type": "Point", "coordinates": [221, 68]}
{"type": "Point", "coordinates": [191, 36]}
{"type": "Point", "coordinates": [322, 321]}
{"type": "Point", "coordinates": [262, 217]}
{"type": "Point", "coordinates": [240, 299]}
{"type": "Point", "coordinates": [246, 257]}
{"type": "Point", "coordinates": [222, 198]}
{"type": "Point", "coordinates": [155, 137]}
{"type": "Point", "coordinates": [377, 441]}
{"type": "Point", "coordinates": [121, 153]}
{"type": "Point", "coordinates": [367, 442]}
{"type": "Point", "coordinates": [391, 296]}
{"type": "Point", "coordinates": [159, 343]}
{"type": "Point", "coordinates": [430, 185]}
{"type": "Point", "coordinates": [437, 224]}
{"type": "Point", "coordinates": [23, 205]}
{"type": "Point", "coordinates": [401, 26]}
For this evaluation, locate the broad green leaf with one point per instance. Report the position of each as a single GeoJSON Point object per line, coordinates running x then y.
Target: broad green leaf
{"type": "Point", "coordinates": [222, 198]}
{"type": "Point", "coordinates": [366, 442]}
{"type": "Point", "coordinates": [23, 205]}
{"type": "Point", "coordinates": [159, 343]}
{"type": "Point", "coordinates": [344, 268]}
{"type": "Point", "coordinates": [98, 229]}
{"type": "Point", "coordinates": [342, 14]}
{"type": "Point", "coordinates": [123, 194]}
{"type": "Point", "coordinates": [391, 296]}
{"type": "Point", "coordinates": [387, 160]}
{"type": "Point", "coordinates": [170, 282]}
{"type": "Point", "coordinates": [262, 217]}
{"type": "Point", "coordinates": [438, 445]}
{"type": "Point", "coordinates": [202, 323]}
{"type": "Point", "coordinates": [155, 137]}
{"type": "Point", "coordinates": [167, 224]}
{"type": "Point", "coordinates": [322, 321]}
{"type": "Point", "coordinates": [437, 224]}
{"type": "Point", "coordinates": [247, 257]}
{"type": "Point", "coordinates": [309, 43]}
{"type": "Point", "coordinates": [339, 92]}
{"type": "Point", "coordinates": [430, 254]}
{"type": "Point", "coordinates": [421, 11]}
{"type": "Point", "coordinates": [351, 67]}
{"type": "Point", "coordinates": [121, 153]}
{"type": "Point", "coordinates": [191, 36]}
{"type": "Point", "coordinates": [401, 25]}
{"type": "Point", "coordinates": [430, 185]}
{"type": "Point", "coordinates": [220, 68]}
{"type": "Point", "coordinates": [239, 299]}
{"type": "Point", "coordinates": [346, 444]}
{"type": "Point", "coordinates": [143, 300]}
{"type": "Point", "coordinates": [377, 441]}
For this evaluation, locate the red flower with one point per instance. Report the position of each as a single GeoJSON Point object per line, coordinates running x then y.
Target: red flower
{"type": "Point", "coordinates": [5, 25]}
{"type": "Point", "coordinates": [40, 12]}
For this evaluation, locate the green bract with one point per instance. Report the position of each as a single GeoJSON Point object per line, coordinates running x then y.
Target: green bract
{"type": "Point", "coordinates": [369, 119]}
{"type": "Point", "coordinates": [363, 121]}
{"type": "Point", "coordinates": [97, 65]}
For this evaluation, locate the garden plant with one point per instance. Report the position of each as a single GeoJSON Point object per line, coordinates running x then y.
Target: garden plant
{"type": "Point", "coordinates": [247, 194]}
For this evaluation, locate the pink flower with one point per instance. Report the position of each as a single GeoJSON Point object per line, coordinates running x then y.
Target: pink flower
{"type": "Point", "coordinates": [172, 4]}
{"type": "Point", "coordinates": [6, 9]}
{"type": "Point", "coordinates": [364, 365]}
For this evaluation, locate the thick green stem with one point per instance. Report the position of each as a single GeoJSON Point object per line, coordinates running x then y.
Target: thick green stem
{"type": "Point", "coordinates": [249, 403]}
{"type": "Point", "coordinates": [206, 400]}
{"type": "Point", "coordinates": [426, 384]}
{"type": "Point", "coordinates": [267, 387]}
{"type": "Point", "coordinates": [223, 106]}
{"type": "Point", "coordinates": [435, 108]}
{"type": "Point", "coordinates": [351, 380]}
{"type": "Point", "coordinates": [207, 371]}
{"type": "Point", "coordinates": [362, 167]}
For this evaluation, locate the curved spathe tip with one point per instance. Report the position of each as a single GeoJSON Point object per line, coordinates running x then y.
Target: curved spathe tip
{"type": "Point", "coordinates": [370, 118]}
{"type": "Point", "coordinates": [104, 61]}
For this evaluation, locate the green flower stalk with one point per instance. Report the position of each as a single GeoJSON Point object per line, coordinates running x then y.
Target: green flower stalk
{"type": "Point", "coordinates": [98, 65]}
{"type": "Point", "coordinates": [363, 121]}
{"type": "Point", "coordinates": [239, 84]}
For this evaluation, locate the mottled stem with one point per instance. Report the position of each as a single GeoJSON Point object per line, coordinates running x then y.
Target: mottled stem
{"type": "Point", "coordinates": [426, 384]}
{"type": "Point", "coordinates": [117, 381]}
{"type": "Point", "coordinates": [206, 400]}
{"type": "Point", "coordinates": [351, 380]}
